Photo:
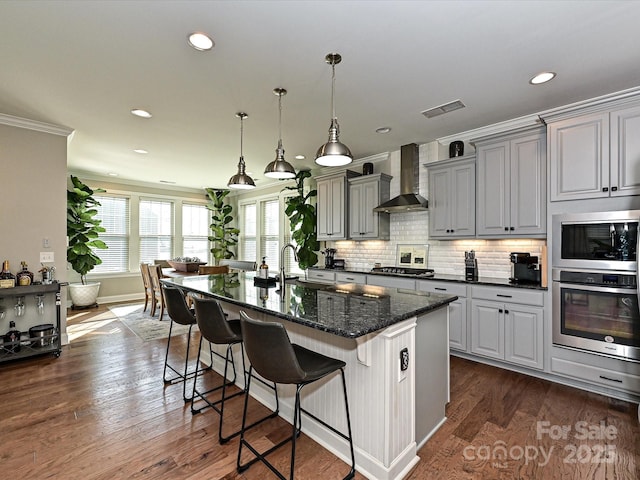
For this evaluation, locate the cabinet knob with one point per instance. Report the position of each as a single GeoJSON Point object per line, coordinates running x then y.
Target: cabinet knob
{"type": "Point", "coordinates": [605, 189]}
{"type": "Point", "coordinates": [506, 312]}
{"type": "Point", "coordinates": [614, 189]}
{"type": "Point", "coordinates": [499, 310]}
{"type": "Point", "coordinates": [506, 229]}
{"type": "Point", "coordinates": [448, 231]}
{"type": "Point", "coordinates": [512, 228]}
{"type": "Point", "coordinates": [452, 230]}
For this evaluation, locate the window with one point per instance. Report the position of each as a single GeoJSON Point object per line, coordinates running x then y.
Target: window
{"type": "Point", "coordinates": [195, 231]}
{"type": "Point", "coordinates": [247, 238]}
{"type": "Point", "coordinates": [114, 213]}
{"type": "Point", "coordinates": [269, 232]}
{"type": "Point", "coordinates": [156, 230]}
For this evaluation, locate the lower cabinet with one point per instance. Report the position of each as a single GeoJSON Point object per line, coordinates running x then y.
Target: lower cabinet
{"type": "Point", "coordinates": [348, 277]}
{"type": "Point", "coordinates": [457, 309]}
{"type": "Point", "coordinates": [319, 275]}
{"type": "Point", "coordinates": [507, 331]}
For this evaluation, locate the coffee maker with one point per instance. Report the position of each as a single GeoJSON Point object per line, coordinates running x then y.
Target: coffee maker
{"type": "Point", "coordinates": [329, 254]}
{"type": "Point", "coordinates": [524, 268]}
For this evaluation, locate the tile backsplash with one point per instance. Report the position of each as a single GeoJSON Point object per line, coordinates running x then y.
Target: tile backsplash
{"type": "Point", "coordinates": [445, 256]}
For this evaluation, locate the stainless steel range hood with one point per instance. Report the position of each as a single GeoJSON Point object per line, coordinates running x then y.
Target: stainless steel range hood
{"type": "Point", "coordinates": [408, 200]}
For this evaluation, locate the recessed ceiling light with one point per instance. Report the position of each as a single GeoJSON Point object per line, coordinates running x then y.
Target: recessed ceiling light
{"type": "Point", "coordinates": [542, 78]}
{"type": "Point", "coordinates": [383, 130]}
{"type": "Point", "coordinates": [299, 157]}
{"type": "Point", "coordinates": [200, 41]}
{"type": "Point", "coordinates": [138, 112]}
{"type": "Point", "coordinates": [140, 150]}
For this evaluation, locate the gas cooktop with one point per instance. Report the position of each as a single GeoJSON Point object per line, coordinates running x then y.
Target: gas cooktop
{"type": "Point", "coordinates": [409, 272]}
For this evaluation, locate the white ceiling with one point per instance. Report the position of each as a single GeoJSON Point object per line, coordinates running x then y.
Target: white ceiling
{"type": "Point", "coordinates": [86, 64]}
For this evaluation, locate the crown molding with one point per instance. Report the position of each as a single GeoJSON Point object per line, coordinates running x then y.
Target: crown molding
{"type": "Point", "coordinates": [494, 129]}
{"type": "Point", "coordinates": [20, 122]}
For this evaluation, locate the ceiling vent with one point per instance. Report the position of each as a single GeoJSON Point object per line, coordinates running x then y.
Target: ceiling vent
{"type": "Point", "coordinates": [442, 109]}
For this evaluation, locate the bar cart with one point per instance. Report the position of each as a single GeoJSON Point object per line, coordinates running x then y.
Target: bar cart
{"type": "Point", "coordinates": [35, 311]}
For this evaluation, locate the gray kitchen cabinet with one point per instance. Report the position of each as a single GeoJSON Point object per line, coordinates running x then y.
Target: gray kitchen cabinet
{"type": "Point", "coordinates": [595, 155]}
{"type": "Point", "coordinates": [333, 197]}
{"type": "Point", "coordinates": [349, 277]}
{"type": "Point", "coordinates": [320, 275]}
{"type": "Point", "coordinates": [511, 185]}
{"type": "Point", "coordinates": [391, 282]}
{"type": "Point", "coordinates": [508, 325]}
{"type": "Point", "coordinates": [452, 198]}
{"type": "Point", "coordinates": [365, 193]}
{"type": "Point", "coordinates": [457, 309]}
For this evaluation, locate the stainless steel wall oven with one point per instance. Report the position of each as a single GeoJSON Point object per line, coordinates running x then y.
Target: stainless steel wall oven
{"type": "Point", "coordinates": [595, 282]}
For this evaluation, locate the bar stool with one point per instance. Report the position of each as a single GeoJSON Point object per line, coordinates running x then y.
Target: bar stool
{"type": "Point", "coordinates": [179, 313]}
{"type": "Point", "coordinates": [216, 329]}
{"type": "Point", "coordinates": [275, 358]}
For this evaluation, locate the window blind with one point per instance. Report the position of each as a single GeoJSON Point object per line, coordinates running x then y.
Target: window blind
{"type": "Point", "coordinates": [247, 238]}
{"type": "Point", "coordinates": [114, 213]}
{"type": "Point", "coordinates": [156, 230]}
{"type": "Point", "coordinates": [270, 230]}
{"type": "Point", "coordinates": [195, 231]}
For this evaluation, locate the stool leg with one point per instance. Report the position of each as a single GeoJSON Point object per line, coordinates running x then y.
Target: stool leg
{"type": "Point", "coordinates": [352, 472]}
{"type": "Point", "coordinates": [297, 426]}
{"type": "Point", "coordinates": [186, 367]}
{"type": "Point", "coordinates": [222, 439]}
{"type": "Point", "coordinates": [166, 356]}
{"type": "Point", "coordinates": [195, 376]}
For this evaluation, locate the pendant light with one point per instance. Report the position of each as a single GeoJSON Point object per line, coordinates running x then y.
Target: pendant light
{"type": "Point", "coordinates": [241, 181]}
{"type": "Point", "coordinates": [333, 153]}
{"type": "Point", "coordinates": [280, 168]}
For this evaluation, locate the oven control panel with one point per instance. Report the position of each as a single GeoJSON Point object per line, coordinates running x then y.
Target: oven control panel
{"type": "Point", "coordinates": [599, 278]}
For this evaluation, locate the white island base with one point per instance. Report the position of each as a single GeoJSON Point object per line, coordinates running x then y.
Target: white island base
{"type": "Point", "coordinates": [393, 412]}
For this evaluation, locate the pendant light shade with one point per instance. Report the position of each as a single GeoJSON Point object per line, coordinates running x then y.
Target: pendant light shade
{"type": "Point", "coordinates": [333, 153]}
{"type": "Point", "coordinates": [280, 168]}
{"type": "Point", "coordinates": [241, 181]}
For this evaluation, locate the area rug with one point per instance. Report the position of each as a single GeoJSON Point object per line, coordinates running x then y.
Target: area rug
{"type": "Point", "coordinates": [144, 325]}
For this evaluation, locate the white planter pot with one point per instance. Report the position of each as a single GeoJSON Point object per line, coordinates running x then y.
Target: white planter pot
{"type": "Point", "coordinates": [84, 295]}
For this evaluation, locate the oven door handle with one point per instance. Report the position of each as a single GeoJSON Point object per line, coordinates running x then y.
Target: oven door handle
{"type": "Point", "coordinates": [597, 288]}
{"type": "Point", "coordinates": [638, 262]}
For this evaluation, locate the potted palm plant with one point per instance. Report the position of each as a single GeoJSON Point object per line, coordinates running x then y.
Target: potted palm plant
{"type": "Point", "coordinates": [82, 231]}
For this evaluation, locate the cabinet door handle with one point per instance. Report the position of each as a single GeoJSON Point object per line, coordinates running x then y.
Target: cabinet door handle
{"type": "Point", "coordinates": [512, 228]}
{"type": "Point", "coordinates": [506, 229]}
{"type": "Point", "coordinates": [614, 189]}
{"type": "Point", "coordinates": [605, 189]}
{"type": "Point", "coordinates": [610, 379]}
{"type": "Point", "coordinates": [499, 310]}
{"type": "Point", "coordinates": [349, 278]}
{"type": "Point", "coordinates": [448, 231]}
{"type": "Point", "coordinates": [506, 312]}
{"type": "Point", "coordinates": [452, 230]}
{"type": "Point", "coordinates": [503, 296]}
{"type": "Point", "coordinates": [440, 288]}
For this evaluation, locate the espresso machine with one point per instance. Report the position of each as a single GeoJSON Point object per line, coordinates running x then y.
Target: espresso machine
{"type": "Point", "coordinates": [524, 268]}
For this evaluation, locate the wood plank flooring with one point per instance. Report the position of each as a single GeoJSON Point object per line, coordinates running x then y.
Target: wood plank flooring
{"type": "Point", "coordinates": [101, 411]}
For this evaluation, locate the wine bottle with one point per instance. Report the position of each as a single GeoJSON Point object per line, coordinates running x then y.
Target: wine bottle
{"type": "Point", "coordinates": [24, 277]}
{"type": "Point", "coordinates": [12, 339]}
{"type": "Point", "coordinates": [7, 279]}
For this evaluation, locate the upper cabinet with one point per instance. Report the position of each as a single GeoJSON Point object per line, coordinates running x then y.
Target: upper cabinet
{"type": "Point", "coordinates": [511, 185]}
{"type": "Point", "coordinates": [332, 203]}
{"type": "Point", "coordinates": [452, 198]}
{"type": "Point", "coordinates": [366, 193]}
{"type": "Point", "coordinates": [595, 155]}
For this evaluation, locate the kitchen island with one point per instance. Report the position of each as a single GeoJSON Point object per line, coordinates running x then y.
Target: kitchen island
{"type": "Point", "coordinates": [394, 407]}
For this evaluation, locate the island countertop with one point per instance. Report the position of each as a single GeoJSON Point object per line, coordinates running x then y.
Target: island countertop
{"type": "Point", "coordinates": [346, 310]}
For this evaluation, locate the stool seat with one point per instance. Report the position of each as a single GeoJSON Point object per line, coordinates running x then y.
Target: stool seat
{"type": "Point", "coordinates": [275, 358]}
{"type": "Point", "coordinates": [216, 329]}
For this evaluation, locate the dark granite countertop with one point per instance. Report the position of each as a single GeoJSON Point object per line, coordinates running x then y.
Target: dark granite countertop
{"type": "Point", "coordinates": [346, 310]}
{"type": "Point", "coordinates": [488, 281]}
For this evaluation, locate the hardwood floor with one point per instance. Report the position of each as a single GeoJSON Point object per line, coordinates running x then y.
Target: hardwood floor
{"type": "Point", "coordinates": [101, 411]}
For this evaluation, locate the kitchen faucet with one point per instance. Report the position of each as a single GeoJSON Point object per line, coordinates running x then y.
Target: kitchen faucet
{"type": "Point", "coordinates": [282, 274]}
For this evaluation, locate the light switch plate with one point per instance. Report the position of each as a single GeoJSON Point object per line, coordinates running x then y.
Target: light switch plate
{"type": "Point", "coordinates": [46, 257]}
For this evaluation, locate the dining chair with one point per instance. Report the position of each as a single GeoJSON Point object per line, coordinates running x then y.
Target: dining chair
{"type": "Point", "coordinates": [162, 263]}
{"type": "Point", "coordinates": [212, 269]}
{"type": "Point", "coordinates": [155, 274]}
{"type": "Point", "coordinates": [148, 289]}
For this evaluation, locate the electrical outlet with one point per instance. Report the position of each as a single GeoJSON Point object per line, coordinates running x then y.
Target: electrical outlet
{"type": "Point", "coordinates": [404, 364]}
{"type": "Point", "coordinates": [46, 257]}
{"type": "Point", "coordinates": [46, 243]}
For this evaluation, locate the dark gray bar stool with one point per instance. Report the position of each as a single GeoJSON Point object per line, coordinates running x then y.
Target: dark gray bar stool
{"type": "Point", "coordinates": [275, 358]}
{"type": "Point", "coordinates": [216, 329]}
{"type": "Point", "coordinates": [179, 313]}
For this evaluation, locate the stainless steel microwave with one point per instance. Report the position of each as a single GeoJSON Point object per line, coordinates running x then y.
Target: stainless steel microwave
{"type": "Point", "coordinates": [598, 240]}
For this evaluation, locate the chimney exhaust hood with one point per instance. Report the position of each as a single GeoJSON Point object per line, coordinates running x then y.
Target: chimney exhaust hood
{"type": "Point", "coordinates": [408, 200]}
